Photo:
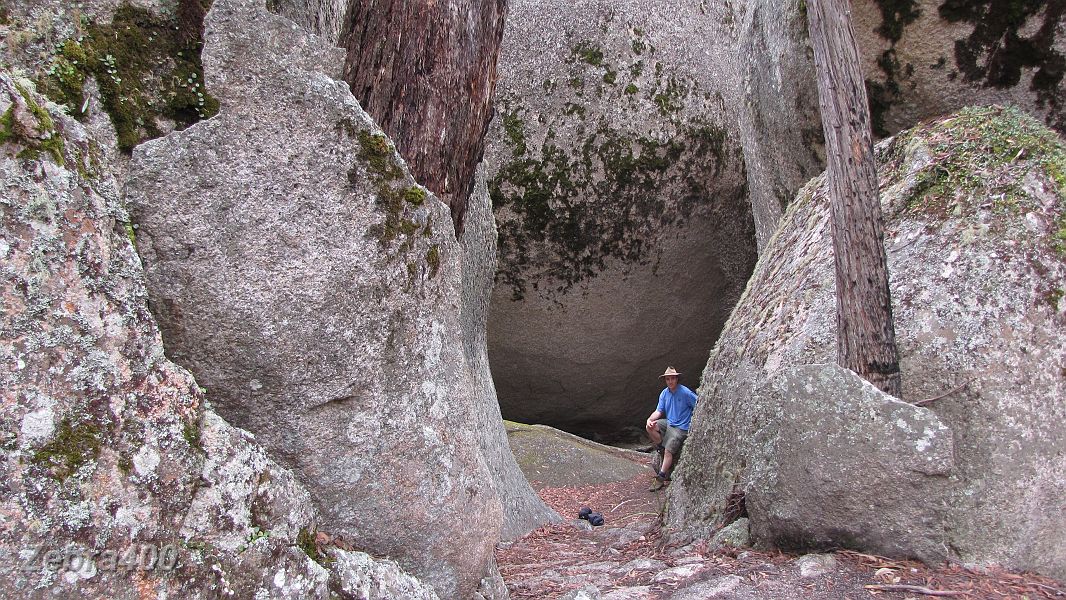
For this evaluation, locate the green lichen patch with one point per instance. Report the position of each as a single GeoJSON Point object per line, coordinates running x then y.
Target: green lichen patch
{"type": "Point", "coordinates": [131, 233]}
{"type": "Point", "coordinates": [588, 52]}
{"type": "Point", "coordinates": [192, 433]}
{"type": "Point", "coordinates": [380, 156]}
{"type": "Point", "coordinates": [512, 126]}
{"type": "Point", "coordinates": [671, 99]}
{"type": "Point", "coordinates": [981, 157]}
{"type": "Point", "coordinates": [47, 140]}
{"type": "Point", "coordinates": [394, 197]}
{"type": "Point", "coordinates": [387, 175]}
{"type": "Point", "coordinates": [570, 109]}
{"type": "Point", "coordinates": [147, 67]}
{"type": "Point", "coordinates": [433, 260]}
{"type": "Point", "coordinates": [124, 464]}
{"type": "Point", "coordinates": [72, 446]}
{"type": "Point", "coordinates": [415, 196]}
{"type": "Point", "coordinates": [1058, 239]}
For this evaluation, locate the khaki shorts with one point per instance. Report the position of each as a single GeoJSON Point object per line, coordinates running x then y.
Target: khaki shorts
{"type": "Point", "coordinates": [672, 436]}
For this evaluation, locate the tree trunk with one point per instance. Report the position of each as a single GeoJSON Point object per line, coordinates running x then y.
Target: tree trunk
{"type": "Point", "coordinates": [866, 339]}
{"type": "Point", "coordinates": [426, 72]}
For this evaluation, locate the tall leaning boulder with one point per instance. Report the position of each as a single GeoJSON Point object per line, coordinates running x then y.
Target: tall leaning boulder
{"type": "Point", "coordinates": [624, 230]}
{"type": "Point", "coordinates": [975, 205]}
{"type": "Point", "coordinates": [316, 290]}
{"type": "Point", "coordinates": [523, 509]}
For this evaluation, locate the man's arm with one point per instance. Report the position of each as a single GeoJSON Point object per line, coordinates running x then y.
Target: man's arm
{"type": "Point", "coordinates": [655, 416]}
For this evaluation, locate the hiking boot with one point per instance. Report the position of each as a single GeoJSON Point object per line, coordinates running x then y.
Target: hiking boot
{"type": "Point", "coordinates": [660, 482]}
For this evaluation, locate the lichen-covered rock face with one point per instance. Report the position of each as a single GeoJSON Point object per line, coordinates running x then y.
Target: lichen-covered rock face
{"type": "Point", "coordinates": [921, 59]}
{"type": "Point", "coordinates": [359, 575]}
{"type": "Point", "coordinates": [325, 18]}
{"type": "Point", "coordinates": [624, 234]}
{"type": "Point", "coordinates": [113, 468]}
{"type": "Point", "coordinates": [925, 58]}
{"type": "Point", "coordinates": [315, 290]}
{"type": "Point", "coordinates": [976, 242]}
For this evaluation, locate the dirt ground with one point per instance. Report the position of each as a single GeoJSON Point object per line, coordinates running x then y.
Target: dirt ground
{"type": "Point", "coordinates": [630, 558]}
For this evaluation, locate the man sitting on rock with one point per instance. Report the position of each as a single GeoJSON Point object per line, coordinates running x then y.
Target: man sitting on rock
{"type": "Point", "coordinates": [668, 425]}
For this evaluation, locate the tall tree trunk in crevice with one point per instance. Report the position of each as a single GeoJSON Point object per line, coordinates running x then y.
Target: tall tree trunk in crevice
{"type": "Point", "coordinates": [426, 71]}
{"type": "Point", "coordinates": [866, 339]}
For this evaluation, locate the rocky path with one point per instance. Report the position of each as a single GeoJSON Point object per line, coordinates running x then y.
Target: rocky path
{"type": "Point", "coordinates": [630, 558]}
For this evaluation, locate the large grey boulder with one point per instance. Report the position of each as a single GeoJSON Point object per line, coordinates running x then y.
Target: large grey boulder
{"type": "Point", "coordinates": [921, 59]}
{"type": "Point", "coordinates": [778, 120]}
{"type": "Point", "coordinates": [624, 230]}
{"type": "Point", "coordinates": [316, 291]}
{"type": "Point", "coordinates": [111, 456]}
{"type": "Point", "coordinates": [975, 215]}
{"type": "Point", "coordinates": [929, 57]}
{"type": "Point", "coordinates": [876, 482]}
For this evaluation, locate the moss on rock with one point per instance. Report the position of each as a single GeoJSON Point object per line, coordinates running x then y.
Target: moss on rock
{"type": "Point", "coordinates": [147, 67]}
{"type": "Point", "coordinates": [394, 197]}
{"type": "Point", "coordinates": [596, 201]}
{"type": "Point", "coordinates": [45, 139]}
{"type": "Point", "coordinates": [980, 159]}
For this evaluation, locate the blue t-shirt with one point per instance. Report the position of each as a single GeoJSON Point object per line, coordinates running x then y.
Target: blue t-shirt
{"type": "Point", "coordinates": [677, 406]}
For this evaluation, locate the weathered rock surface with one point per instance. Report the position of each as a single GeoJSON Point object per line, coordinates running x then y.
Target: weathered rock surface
{"type": "Point", "coordinates": [523, 510]}
{"type": "Point", "coordinates": [553, 458]}
{"type": "Point", "coordinates": [929, 57]}
{"type": "Point", "coordinates": [975, 220]}
{"type": "Point", "coordinates": [624, 232]}
{"type": "Point", "coordinates": [737, 534]}
{"type": "Point", "coordinates": [921, 59]}
{"type": "Point", "coordinates": [360, 577]}
{"type": "Point", "coordinates": [324, 18]}
{"type": "Point", "coordinates": [113, 466]}
{"type": "Point", "coordinates": [316, 290]}
{"type": "Point", "coordinates": [778, 120]}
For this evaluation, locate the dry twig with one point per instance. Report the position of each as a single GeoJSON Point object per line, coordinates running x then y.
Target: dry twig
{"type": "Point", "coordinates": [1056, 591]}
{"type": "Point", "coordinates": [917, 589]}
{"type": "Point", "coordinates": [880, 561]}
{"type": "Point", "coordinates": [945, 394]}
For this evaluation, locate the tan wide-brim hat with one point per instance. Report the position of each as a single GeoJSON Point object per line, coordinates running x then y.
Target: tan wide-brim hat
{"type": "Point", "coordinates": [669, 371]}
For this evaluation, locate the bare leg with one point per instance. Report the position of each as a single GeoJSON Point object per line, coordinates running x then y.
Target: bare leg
{"type": "Point", "coordinates": [668, 462]}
